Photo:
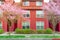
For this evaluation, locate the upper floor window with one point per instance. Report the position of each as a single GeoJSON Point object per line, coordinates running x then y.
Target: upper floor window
{"type": "Point", "coordinates": [39, 25]}
{"type": "Point", "coordinates": [26, 3]}
{"type": "Point", "coordinates": [26, 25]}
{"type": "Point", "coordinates": [38, 3]}
{"type": "Point", "coordinates": [39, 14]}
{"type": "Point", "coordinates": [1, 13]}
{"type": "Point", "coordinates": [1, 2]}
{"type": "Point", "coordinates": [27, 15]}
{"type": "Point", "coordinates": [17, 1]}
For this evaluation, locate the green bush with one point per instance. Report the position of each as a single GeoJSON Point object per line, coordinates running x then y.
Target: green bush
{"type": "Point", "coordinates": [33, 32]}
{"type": "Point", "coordinates": [18, 31]}
{"type": "Point", "coordinates": [24, 31]}
{"type": "Point", "coordinates": [28, 31]}
{"type": "Point", "coordinates": [40, 31]}
{"type": "Point", "coordinates": [1, 31]}
{"type": "Point", "coordinates": [48, 31]}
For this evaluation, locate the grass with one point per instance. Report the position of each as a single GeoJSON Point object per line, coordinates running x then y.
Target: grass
{"type": "Point", "coordinates": [12, 36]}
{"type": "Point", "coordinates": [32, 36]}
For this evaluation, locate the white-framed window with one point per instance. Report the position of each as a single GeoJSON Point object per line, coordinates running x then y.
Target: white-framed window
{"type": "Point", "coordinates": [1, 2]}
{"type": "Point", "coordinates": [27, 14]}
{"type": "Point", "coordinates": [39, 3]}
{"type": "Point", "coordinates": [39, 14]}
{"type": "Point", "coordinates": [17, 1]}
{"type": "Point", "coordinates": [1, 13]}
{"type": "Point", "coordinates": [39, 25]}
{"type": "Point", "coordinates": [26, 3]}
{"type": "Point", "coordinates": [26, 25]}
{"type": "Point", "coordinates": [0, 25]}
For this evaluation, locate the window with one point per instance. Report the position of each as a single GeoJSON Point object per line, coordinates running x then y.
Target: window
{"type": "Point", "coordinates": [1, 13]}
{"type": "Point", "coordinates": [26, 3]}
{"type": "Point", "coordinates": [27, 15]}
{"type": "Point", "coordinates": [26, 25]}
{"type": "Point", "coordinates": [38, 3]}
{"type": "Point", "coordinates": [46, 1]}
{"type": "Point", "coordinates": [39, 14]}
{"type": "Point", "coordinates": [17, 1]}
{"type": "Point", "coordinates": [1, 2]}
{"type": "Point", "coordinates": [0, 25]}
{"type": "Point", "coordinates": [39, 25]}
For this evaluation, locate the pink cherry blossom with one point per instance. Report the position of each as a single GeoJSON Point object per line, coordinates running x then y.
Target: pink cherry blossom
{"type": "Point", "coordinates": [12, 8]}
{"type": "Point", "coordinates": [53, 6]}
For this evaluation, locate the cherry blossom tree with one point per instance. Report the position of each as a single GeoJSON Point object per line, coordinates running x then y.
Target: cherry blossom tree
{"type": "Point", "coordinates": [52, 9]}
{"type": "Point", "coordinates": [11, 12]}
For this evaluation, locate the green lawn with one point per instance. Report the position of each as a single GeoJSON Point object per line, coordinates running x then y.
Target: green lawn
{"type": "Point", "coordinates": [32, 36]}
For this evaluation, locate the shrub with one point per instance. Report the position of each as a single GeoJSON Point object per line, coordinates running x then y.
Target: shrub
{"type": "Point", "coordinates": [33, 32]}
{"type": "Point", "coordinates": [1, 31]}
{"type": "Point", "coordinates": [24, 31]}
{"type": "Point", "coordinates": [18, 31]}
{"type": "Point", "coordinates": [28, 31]}
{"type": "Point", "coordinates": [48, 31]}
{"type": "Point", "coordinates": [40, 31]}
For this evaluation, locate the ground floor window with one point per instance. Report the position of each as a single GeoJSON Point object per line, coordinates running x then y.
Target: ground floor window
{"type": "Point", "coordinates": [0, 25]}
{"type": "Point", "coordinates": [39, 25]}
{"type": "Point", "coordinates": [25, 25]}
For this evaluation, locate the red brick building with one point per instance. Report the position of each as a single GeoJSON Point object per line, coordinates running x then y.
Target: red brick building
{"type": "Point", "coordinates": [35, 14]}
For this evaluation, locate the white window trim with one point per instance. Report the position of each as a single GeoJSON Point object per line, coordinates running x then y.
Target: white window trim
{"type": "Point", "coordinates": [1, 13]}
{"type": "Point", "coordinates": [17, 1]}
{"type": "Point", "coordinates": [38, 3]}
{"type": "Point", "coordinates": [1, 2]}
{"type": "Point", "coordinates": [41, 15]}
{"type": "Point", "coordinates": [27, 3]}
{"type": "Point", "coordinates": [39, 24]}
{"type": "Point", "coordinates": [25, 25]}
{"type": "Point", "coordinates": [27, 13]}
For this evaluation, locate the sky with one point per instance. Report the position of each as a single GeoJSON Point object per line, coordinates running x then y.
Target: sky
{"type": "Point", "coordinates": [46, 0]}
{"type": "Point", "coordinates": [20, 0]}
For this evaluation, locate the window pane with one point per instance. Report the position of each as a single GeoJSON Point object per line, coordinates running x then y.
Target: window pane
{"type": "Point", "coordinates": [38, 3]}
{"type": "Point", "coordinates": [39, 14]}
{"type": "Point", "coordinates": [27, 14]}
{"type": "Point", "coordinates": [42, 27]}
{"type": "Point", "coordinates": [1, 13]}
{"type": "Point", "coordinates": [1, 2]}
{"type": "Point", "coordinates": [39, 25]}
{"type": "Point", "coordinates": [25, 25]}
{"type": "Point", "coordinates": [26, 3]}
